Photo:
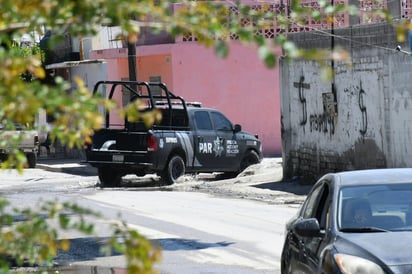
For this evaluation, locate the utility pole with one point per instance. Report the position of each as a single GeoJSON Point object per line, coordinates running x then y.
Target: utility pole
{"type": "Point", "coordinates": [131, 52]}
{"type": "Point", "coordinates": [332, 63]}
{"type": "Point", "coordinates": [131, 58]}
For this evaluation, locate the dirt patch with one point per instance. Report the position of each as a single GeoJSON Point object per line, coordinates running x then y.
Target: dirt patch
{"type": "Point", "coordinates": [261, 182]}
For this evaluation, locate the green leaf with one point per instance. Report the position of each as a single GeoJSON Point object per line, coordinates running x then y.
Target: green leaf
{"type": "Point", "coordinates": [267, 56]}
{"type": "Point", "coordinates": [221, 49]}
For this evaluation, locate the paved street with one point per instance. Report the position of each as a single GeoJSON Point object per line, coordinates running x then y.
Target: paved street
{"type": "Point", "coordinates": [204, 225]}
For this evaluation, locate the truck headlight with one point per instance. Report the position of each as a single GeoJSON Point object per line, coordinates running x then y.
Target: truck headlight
{"type": "Point", "coordinates": [349, 264]}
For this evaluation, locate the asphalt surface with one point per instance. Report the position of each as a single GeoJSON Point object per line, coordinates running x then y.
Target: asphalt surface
{"type": "Point", "coordinates": [262, 182]}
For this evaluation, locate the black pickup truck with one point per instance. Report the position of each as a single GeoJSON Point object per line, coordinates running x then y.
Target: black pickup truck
{"type": "Point", "coordinates": [188, 139]}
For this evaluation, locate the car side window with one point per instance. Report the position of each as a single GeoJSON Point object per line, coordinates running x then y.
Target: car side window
{"type": "Point", "coordinates": [221, 122]}
{"type": "Point", "coordinates": [310, 206]}
{"type": "Point", "coordinates": [202, 120]}
{"type": "Point", "coordinates": [324, 207]}
{"type": "Point", "coordinates": [318, 204]}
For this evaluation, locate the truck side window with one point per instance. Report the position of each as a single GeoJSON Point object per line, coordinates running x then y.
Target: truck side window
{"type": "Point", "coordinates": [202, 120]}
{"type": "Point", "coordinates": [221, 122]}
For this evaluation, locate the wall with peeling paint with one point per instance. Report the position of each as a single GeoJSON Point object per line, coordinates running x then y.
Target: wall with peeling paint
{"type": "Point", "coordinates": [362, 121]}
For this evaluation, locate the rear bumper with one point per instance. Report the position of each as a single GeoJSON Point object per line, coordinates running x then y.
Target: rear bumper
{"type": "Point", "coordinates": [121, 159]}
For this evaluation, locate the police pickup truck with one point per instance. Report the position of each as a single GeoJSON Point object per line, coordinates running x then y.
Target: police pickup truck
{"type": "Point", "coordinates": [188, 139]}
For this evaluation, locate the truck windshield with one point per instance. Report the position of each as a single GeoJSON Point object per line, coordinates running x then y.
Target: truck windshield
{"type": "Point", "coordinates": [220, 121]}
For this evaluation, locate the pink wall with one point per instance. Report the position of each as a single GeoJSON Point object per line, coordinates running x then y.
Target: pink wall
{"type": "Point", "coordinates": [240, 85]}
{"type": "Point", "coordinates": [117, 69]}
{"type": "Point", "coordinates": [155, 65]}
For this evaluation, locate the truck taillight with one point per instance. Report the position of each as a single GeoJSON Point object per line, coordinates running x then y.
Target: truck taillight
{"type": "Point", "coordinates": [36, 140]}
{"type": "Point", "coordinates": [152, 144]}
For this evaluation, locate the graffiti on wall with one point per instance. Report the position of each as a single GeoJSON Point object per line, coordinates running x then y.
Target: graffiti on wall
{"type": "Point", "coordinates": [361, 94]}
{"type": "Point", "coordinates": [325, 122]}
{"type": "Point", "coordinates": [319, 122]}
{"type": "Point", "coordinates": [322, 123]}
{"type": "Point", "coordinates": [363, 111]}
{"type": "Point", "coordinates": [301, 85]}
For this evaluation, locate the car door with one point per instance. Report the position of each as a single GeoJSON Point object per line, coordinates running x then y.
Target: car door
{"type": "Point", "coordinates": [316, 206]}
{"type": "Point", "coordinates": [313, 246]}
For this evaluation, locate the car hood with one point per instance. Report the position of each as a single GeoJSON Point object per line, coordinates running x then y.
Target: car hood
{"type": "Point", "coordinates": [392, 248]}
{"type": "Point", "coordinates": [249, 135]}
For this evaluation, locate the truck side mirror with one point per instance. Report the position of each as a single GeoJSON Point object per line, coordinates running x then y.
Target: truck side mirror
{"type": "Point", "coordinates": [237, 128]}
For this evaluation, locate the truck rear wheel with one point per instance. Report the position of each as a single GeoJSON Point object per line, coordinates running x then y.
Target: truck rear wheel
{"type": "Point", "coordinates": [108, 177]}
{"type": "Point", "coordinates": [175, 168]}
{"type": "Point", "coordinates": [31, 159]}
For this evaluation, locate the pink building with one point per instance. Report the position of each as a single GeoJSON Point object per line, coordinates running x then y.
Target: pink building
{"type": "Point", "coordinates": [240, 86]}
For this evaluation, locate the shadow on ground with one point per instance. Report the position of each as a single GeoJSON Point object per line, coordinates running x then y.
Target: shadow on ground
{"type": "Point", "coordinates": [173, 244]}
{"type": "Point", "coordinates": [83, 249]}
{"type": "Point", "coordinates": [291, 187]}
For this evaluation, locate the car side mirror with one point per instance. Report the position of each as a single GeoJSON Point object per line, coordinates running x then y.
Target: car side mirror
{"type": "Point", "coordinates": [237, 128]}
{"type": "Point", "coordinates": [307, 228]}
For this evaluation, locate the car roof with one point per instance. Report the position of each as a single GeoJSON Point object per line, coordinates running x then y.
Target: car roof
{"type": "Point", "coordinates": [373, 176]}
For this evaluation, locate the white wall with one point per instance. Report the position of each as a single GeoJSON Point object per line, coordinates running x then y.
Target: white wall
{"type": "Point", "coordinates": [373, 124]}
{"type": "Point", "coordinates": [90, 73]}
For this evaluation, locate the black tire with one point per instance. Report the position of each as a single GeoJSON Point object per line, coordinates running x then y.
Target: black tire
{"type": "Point", "coordinates": [250, 158]}
{"type": "Point", "coordinates": [174, 170]}
{"type": "Point", "coordinates": [31, 160]}
{"type": "Point", "coordinates": [227, 175]}
{"type": "Point", "coordinates": [109, 177]}
{"type": "Point", "coordinates": [140, 173]}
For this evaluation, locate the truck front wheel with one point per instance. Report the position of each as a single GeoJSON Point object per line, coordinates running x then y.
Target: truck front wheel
{"type": "Point", "coordinates": [108, 177]}
{"type": "Point", "coordinates": [175, 168]}
{"type": "Point", "coordinates": [250, 158]}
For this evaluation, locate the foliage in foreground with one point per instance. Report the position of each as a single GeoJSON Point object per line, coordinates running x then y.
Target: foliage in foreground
{"type": "Point", "coordinates": [30, 237]}
{"type": "Point", "coordinates": [75, 110]}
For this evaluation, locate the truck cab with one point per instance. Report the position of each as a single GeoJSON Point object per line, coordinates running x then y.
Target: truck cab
{"type": "Point", "coordinates": [219, 145]}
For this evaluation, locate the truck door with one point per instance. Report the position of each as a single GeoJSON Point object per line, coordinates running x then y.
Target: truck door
{"type": "Point", "coordinates": [212, 137]}
{"type": "Point", "coordinates": [227, 138]}
{"type": "Point", "coordinates": [207, 148]}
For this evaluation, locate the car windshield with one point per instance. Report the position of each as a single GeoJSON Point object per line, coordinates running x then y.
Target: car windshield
{"type": "Point", "coordinates": [375, 208]}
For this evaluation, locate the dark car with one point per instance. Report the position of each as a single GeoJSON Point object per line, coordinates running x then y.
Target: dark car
{"type": "Point", "coordinates": [353, 222]}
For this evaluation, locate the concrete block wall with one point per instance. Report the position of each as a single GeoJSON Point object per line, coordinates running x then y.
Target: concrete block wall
{"type": "Point", "coordinates": [354, 37]}
{"type": "Point", "coordinates": [363, 120]}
